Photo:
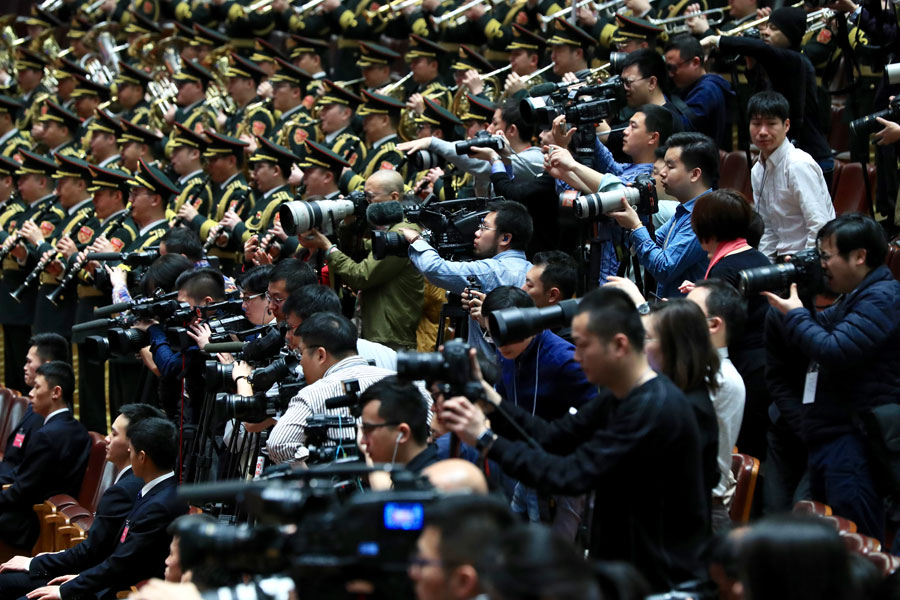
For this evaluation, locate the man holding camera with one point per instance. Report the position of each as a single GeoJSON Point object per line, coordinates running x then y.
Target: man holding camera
{"type": "Point", "coordinates": [854, 362]}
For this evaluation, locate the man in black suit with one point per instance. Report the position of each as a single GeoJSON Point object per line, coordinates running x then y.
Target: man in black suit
{"type": "Point", "coordinates": [54, 461]}
{"type": "Point", "coordinates": [21, 574]}
{"type": "Point", "coordinates": [43, 348]}
{"type": "Point", "coordinates": [142, 543]}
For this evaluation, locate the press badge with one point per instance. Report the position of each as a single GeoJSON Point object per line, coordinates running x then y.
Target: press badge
{"type": "Point", "coordinates": [18, 440]}
{"type": "Point", "coordinates": [812, 379]}
{"type": "Point", "coordinates": [125, 532]}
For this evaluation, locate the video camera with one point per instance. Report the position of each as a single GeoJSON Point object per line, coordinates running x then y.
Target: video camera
{"type": "Point", "coordinates": [640, 194]}
{"type": "Point", "coordinates": [324, 215]}
{"type": "Point", "coordinates": [452, 368]}
{"type": "Point", "coordinates": [804, 269]}
{"type": "Point", "coordinates": [585, 105]}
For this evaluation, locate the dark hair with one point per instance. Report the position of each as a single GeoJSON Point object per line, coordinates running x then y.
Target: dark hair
{"type": "Point", "coordinates": [687, 45]}
{"type": "Point", "coordinates": [610, 312]}
{"type": "Point", "coordinates": [294, 272]}
{"type": "Point", "coordinates": [335, 333]}
{"type": "Point", "coordinates": [164, 272]}
{"type": "Point", "coordinates": [560, 271]}
{"type": "Point", "coordinates": [768, 104]}
{"type": "Point", "coordinates": [855, 231]}
{"type": "Point", "coordinates": [698, 151]}
{"type": "Point", "coordinates": [256, 279]}
{"type": "Point", "coordinates": [59, 373]}
{"type": "Point", "coordinates": [138, 411]}
{"type": "Point", "coordinates": [688, 356]}
{"type": "Point", "coordinates": [725, 302]}
{"type": "Point", "coordinates": [401, 402]}
{"type": "Point", "coordinates": [531, 561]}
{"type": "Point", "coordinates": [755, 229]}
{"type": "Point", "coordinates": [50, 346]}
{"type": "Point", "coordinates": [659, 153]}
{"type": "Point", "coordinates": [657, 120]}
{"type": "Point", "coordinates": [468, 524]}
{"type": "Point", "coordinates": [722, 214]}
{"type": "Point", "coordinates": [181, 240]}
{"type": "Point", "coordinates": [794, 558]}
{"type": "Point", "coordinates": [511, 115]}
{"type": "Point", "coordinates": [513, 218]}
{"type": "Point", "coordinates": [311, 299]}
{"type": "Point", "coordinates": [650, 63]}
{"type": "Point", "coordinates": [156, 437]}
{"type": "Point", "coordinates": [505, 296]}
{"type": "Point", "coordinates": [620, 581]}
{"type": "Point", "coordinates": [202, 282]}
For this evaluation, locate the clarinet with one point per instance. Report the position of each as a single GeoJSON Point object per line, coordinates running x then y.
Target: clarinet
{"type": "Point", "coordinates": [76, 266]}
{"type": "Point", "coordinates": [194, 197]}
{"type": "Point", "coordinates": [42, 264]}
{"type": "Point", "coordinates": [43, 211]}
{"type": "Point", "coordinates": [235, 205]}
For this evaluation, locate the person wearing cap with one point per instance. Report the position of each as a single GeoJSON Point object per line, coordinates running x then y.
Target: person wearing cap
{"type": "Point", "coordinates": [60, 127]}
{"type": "Point", "coordinates": [468, 71]}
{"type": "Point", "coordinates": [438, 122]}
{"type": "Point", "coordinates": [496, 25]}
{"type": "Point", "coordinates": [375, 62]}
{"type": "Point", "coordinates": [86, 98]}
{"type": "Point", "coordinates": [525, 52]}
{"type": "Point", "coordinates": [36, 189]}
{"type": "Point", "coordinates": [11, 138]}
{"type": "Point", "coordinates": [131, 88]}
{"type": "Point", "coordinates": [790, 73]}
{"type": "Point", "coordinates": [424, 58]}
{"type": "Point", "coordinates": [336, 111]}
{"type": "Point", "coordinates": [137, 143]}
{"type": "Point", "coordinates": [571, 48]}
{"type": "Point", "coordinates": [30, 70]}
{"type": "Point", "coordinates": [192, 111]}
{"type": "Point", "coordinates": [381, 117]}
{"type": "Point", "coordinates": [65, 82]}
{"type": "Point", "coordinates": [633, 33]}
{"type": "Point", "coordinates": [10, 202]}
{"type": "Point", "coordinates": [72, 183]}
{"type": "Point", "coordinates": [252, 116]}
{"type": "Point", "coordinates": [309, 54]}
{"type": "Point", "coordinates": [295, 124]}
{"type": "Point", "coordinates": [187, 163]}
{"type": "Point", "coordinates": [224, 165]}
{"type": "Point", "coordinates": [104, 145]}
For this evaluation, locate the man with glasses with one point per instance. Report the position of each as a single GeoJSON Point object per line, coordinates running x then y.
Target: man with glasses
{"type": "Point", "coordinates": [288, 275]}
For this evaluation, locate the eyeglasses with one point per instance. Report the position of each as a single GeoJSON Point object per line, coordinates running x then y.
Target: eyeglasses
{"type": "Point", "coordinates": [486, 334]}
{"type": "Point", "coordinates": [371, 195]}
{"type": "Point", "coordinates": [274, 299]}
{"type": "Point", "coordinates": [630, 82]}
{"type": "Point", "coordinates": [253, 296]}
{"type": "Point", "coordinates": [672, 67]}
{"type": "Point", "coordinates": [483, 227]}
{"type": "Point", "coordinates": [135, 192]}
{"type": "Point", "coordinates": [418, 562]}
{"type": "Point", "coordinates": [370, 427]}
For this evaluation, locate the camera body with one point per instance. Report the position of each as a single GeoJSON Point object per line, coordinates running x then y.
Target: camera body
{"type": "Point", "coordinates": [452, 367]}
{"type": "Point", "coordinates": [586, 105]}
{"type": "Point", "coordinates": [868, 125]}
{"type": "Point", "coordinates": [804, 269]}
{"type": "Point", "coordinates": [482, 139]}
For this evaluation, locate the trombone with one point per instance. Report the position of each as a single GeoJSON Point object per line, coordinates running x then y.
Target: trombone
{"type": "Point", "coordinates": [393, 86]}
{"type": "Point", "coordinates": [612, 5]}
{"type": "Point", "coordinates": [755, 23]}
{"type": "Point", "coordinates": [679, 23]}
{"type": "Point", "coordinates": [264, 6]}
{"type": "Point", "coordinates": [540, 71]}
{"type": "Point", "coordinates": [459, 11]}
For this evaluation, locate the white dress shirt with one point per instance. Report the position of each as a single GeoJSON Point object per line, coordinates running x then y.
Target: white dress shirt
{"type": "Point", "coordinates": [792, 199]}
{"type": "Point", "coordinates": [728, 402]}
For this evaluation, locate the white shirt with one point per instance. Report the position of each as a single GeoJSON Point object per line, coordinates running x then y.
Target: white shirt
{"type": "Point", "coordinates": [53, 414]}
{"type": "Point", "coordinates": [73, 209]}
{"type": "Point", "coordinates": [154, 482]}
{"type": "Point", "coordinates": [122, 474]}
{"type": "Point", "coordinates": [728, 402]}
{"type": "Point", "coordinates": [791, 197]}
{"type": "Point", "coordinates": [150, 226]}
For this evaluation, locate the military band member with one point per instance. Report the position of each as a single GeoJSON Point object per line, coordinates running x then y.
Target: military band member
{"type": "Point", "coordinates": [252, 116]}
{"type": "Point", "coordinates": [131, 89]}
{"type": "Point", "coordinates": [264, 56]}
{"type": "Point", "coordinates": [65, 74]}
{"type": "Point", "coordinates": [424, 58]}
{"type": "Point", "coordinates": [468, 71]}
{"type": "Point", "coordinates": [192, 111]}
{"type": "Point", "coordinates": [10, 202]}
{"type": "Point", "coordinates": [309, 54]}
{"type": "Point", "coordinates": [137, 143]}
{"type": "Point", "coordinates": [381, 116]}
{"type": "Point", "coordinates": [497, 24]}
{"type": "Point", "coordinates": [290, 96]}
{"type": "Point", "coordinates": [375, 62]}
{"type": "Point", "coordinates": [525, 52]}
{"type": "Point", "coordinates": [12, 139]}
{"type": "Point", "coordinates": [103, 133]}
{"type": "Point", "coordinates": [571, 48]}
{"type": "Point", "coordinates": [86, 98]}
{"type": "Point", "coordinates": [633, 33]}
{"type": "Point", "coordinates": [30, 70]}
{"type": "Point", "coordinates": [59, 128]}
{"type": "Point", "coordinates": [337, 108]}
{"type": "Point", "coordinates": [187, 163]}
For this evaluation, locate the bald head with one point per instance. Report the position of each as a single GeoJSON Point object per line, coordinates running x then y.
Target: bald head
{"type": "Point", "coordinates": [385, 185]}
{"type": "Point", "coordinates": [456, 475]}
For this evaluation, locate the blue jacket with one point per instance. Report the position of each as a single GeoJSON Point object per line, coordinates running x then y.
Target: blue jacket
{"type": "Point", "coordinates": [707, 99]}
{"type": "Point", "coordinates": [855, 344]}
{"type": "Point", "coordinates": [545, 380]}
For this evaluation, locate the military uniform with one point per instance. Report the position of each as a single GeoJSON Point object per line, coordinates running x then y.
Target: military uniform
{"type": "Point", "coordinates": [55, 112]}
{"type": "Point", "coordinates": [31, 101]}
{"type": "Point", "coordinates": [296, 125]}
{"type": "Point", "coordinates": [530, 42]}
{"type": "Point", "coordinates": [197, 116]}
{"type": "Point", "coordinates": [255, 118]}
{"type": "Point", "coordinates": [382, 154]}
{"type": "Point", "coordinates": [13, 140]}
{"type": "Point", "coordinates": [345, 143]}
{"type": "Point", "coordinates": [140, 113]}
{"type": "Point", "coordinates": [12, 205]}
{"type": "Point", "coordinates": [193, 186]}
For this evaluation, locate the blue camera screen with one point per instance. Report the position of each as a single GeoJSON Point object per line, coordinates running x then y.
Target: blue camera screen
{"type": "Point", "coordinates": [408, 516]}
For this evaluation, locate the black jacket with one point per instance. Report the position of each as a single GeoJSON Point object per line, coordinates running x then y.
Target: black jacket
{"type": "Point", "coordinates": [540, 198]}
{"type": "Point", "coordinates": [54, 463]}
{"type": "Point", "coordinates": [17, 442]}
{"type": "Point", "coordinates": [141, 547]}
{"type": "Point", "coordinates": [642, 456]}
{"type": "Point", "coordinates": [114, 506]}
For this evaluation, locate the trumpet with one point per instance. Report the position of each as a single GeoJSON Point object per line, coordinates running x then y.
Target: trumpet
{"type": "Point", "coordinates": [679, 23]}
{"type": "Point", "coordinates": [456, 12]}
{"type": "Point", "coordinates": [540, 71]}
{"type": "Point", "coordinates": [818, 19]}
{"type": "Point", "coordinates": [390, 88]}
{"type": "Point", "coordinates": [486, 75]}
{"type": "Point", "coordinates": [390, 8]}
{"type": "Point", "coordinates": [614, 4]}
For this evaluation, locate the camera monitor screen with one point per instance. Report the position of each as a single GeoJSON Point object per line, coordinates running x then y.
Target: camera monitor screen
{"type": "Point", "coordinates": [407, 516]}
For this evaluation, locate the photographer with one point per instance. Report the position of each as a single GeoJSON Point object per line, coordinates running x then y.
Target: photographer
{"type": "Point", "coordinates": [657, 522]}
{"type": "Point", "coordinates": [500, 243]}
{"type": "Point", "coordinates": [286, 277]}
{"type": "Point", "coordinates": [854, 366]}
{"type": "Point", "coordinates": [692, 166]}
{"type": "Point", "coordinates": [552, 278]}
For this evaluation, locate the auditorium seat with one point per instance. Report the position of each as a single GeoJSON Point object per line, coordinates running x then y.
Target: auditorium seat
{"type": "Point", "coordinates": [841, 524]}
{"type": "Point", "coordinates": [839, 132]}
{"type": "Point", "coordinates": [6, 401]}
{"type": "Point", "coordinates": [90, 491]}
{"type": "Point", "coordinates": [893, 258]}
{"type": "Point", "coordinates": [811, 507]}
{"type": "Point", "coordinates": [850, 194]}
{"type": "Point", "coordinates": [745, 469]}
{"type": "Point", "coordinates": [64, 525]}
{"type": "Point", "coordinates": [17, 407]}
{"type": "Point", "coordinates": [835, 178]}
{"type": "Point", "coordinates": [735, 173]}
{"type": "Point", "coordinates": [859, 543]}
{"type": "Point", "coordinates": [887, 563]}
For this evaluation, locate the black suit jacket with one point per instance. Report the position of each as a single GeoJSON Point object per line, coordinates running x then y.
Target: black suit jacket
{"type": "Point", "coordinates": [54, 463]}
{"type": "Point", "coordinates": [114, 507]}
{"type": "Point", "coordinates": [15, 452]}
{"type": "Point", "coordinates": [141, 547]}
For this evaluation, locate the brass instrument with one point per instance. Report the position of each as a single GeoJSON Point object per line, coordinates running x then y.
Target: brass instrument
{"type": "Point", "coordinates": [613, 5]}
{"type": "Point", "coordinates": [91, 8]}
{"type": "Point", "coordinates": [8, 43]}
{"type": "Point", "coordinates": [540, 71]}
{"type": "Point", "coordinates": [492, 90]}
{"type": "Point", "coordinates": [389, 9]}
{"type": "Point", "coordinates": [51, 5]}
{"type": "Point", "coordinates": [391, 87]}
{"type": "Point", "coordinates": [752, 24]}
{"type": "Point", "coordinates": [264, 6]}
{"type": "Point", "coordinates": [676, 25]}
{"type": "Point", "coordinates": [349, 83]}
{"type": "Point", "coordinates": [459, 11]}
{"type": "Point", "coordinates": [818, 19]}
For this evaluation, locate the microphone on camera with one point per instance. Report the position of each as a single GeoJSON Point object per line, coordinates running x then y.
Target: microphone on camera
{"type": "Point", "coordinates": [266, 346]}
{"type": "Point", "coordinates": [543, 89]}
{"type": "Point", "coordinates": [384, 213]}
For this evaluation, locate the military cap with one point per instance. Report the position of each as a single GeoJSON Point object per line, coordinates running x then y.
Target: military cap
{"type": "Point", "coordinates": [104, 178]}
{"type": "Point", "coordinates": [271, 152]}
{"type": "Point", "coordinates": [374, 55]}
{"type": "Point", "coordinates": [566, 34]}
{"type": "Point", "coordinates": [30, 60]}
{"type": "Point", "coordinates": [184, 33]}
{"type": "Point", "coordinates": [191, 70]}
{"type": "Point", "coordinates": [69, 166]}
{"type": "Point", "coordinates": [335, 94]}
{"type": "Point", "coordinates": [241, 67]}
{"type": "Point", "coordinates": [633, 28]}
{"type": "Point", "coordinates": [41, 17]}
{"type": "Point", "coordinates": [264, 51]}
{"type": "Point", "coordinates": [77, 29]}
{"type": "Point", "coordinates": [419, 46]}
{"type": "Point", "coordinates": [318, 155]}
{"type": "Point", "coordinates": [220, 144]}
{"type": "Point", "coordinates": [8, 166]}
{"type": "Point", "coordinates": [36, 163]}
{"type": "Point", "coordinates": [141, 24]}
{"type": "Point", "coordinates": [55, 112]}
{"type": "Point", "coordinates": [287, 72]}
{"type": "Point", "coordinates": [136, 133]}
{"type": "Point", "coordinates": [87, 87]}
{"type": "Point", "coordinates": [132, 76]}
{"type": "Point", "coordinates": [300, 45]}
{"type": "Point", "coordinates": [148, 176]}
{"type": "Point", "coordinates": [436, 115]}
{"type": "Point", "coordinates": [480, 109]}
{"type": "Point", "coordinates": [208, 37]}
{"type": "Point", "coordinates": [469, 59]}
{"type": "Point", "coordinates": [184, 136]}
{"type": "Point", "coordinates": [68, 68]}
{"type": "Point", "coordinates": [106, 122]}
{"type": "Point", "coordinates": [378, 104]}
{"type": "Point", "coordinates": [524, 39]}
{"type": "Point", "coordinates": [9, 105]}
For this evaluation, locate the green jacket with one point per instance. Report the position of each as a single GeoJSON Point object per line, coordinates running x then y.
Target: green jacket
{"type": "Point", "coordinates": [391, 294]}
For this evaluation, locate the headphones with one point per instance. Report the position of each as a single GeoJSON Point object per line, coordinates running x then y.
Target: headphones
{"type": "Point", "coordinates": [399, 437]}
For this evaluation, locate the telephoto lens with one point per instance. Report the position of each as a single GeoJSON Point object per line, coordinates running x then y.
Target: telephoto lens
{"type": "Point", "coordinates": [388, 243]}
{"type": "Point", "coordinates": [603, 203]}
{"type": "Point", "coordinates": [804, 269]}
{"type": "Point", "coordinates": [424, 160]}
{"type": "Point", "coordinates": [127, 341]}
{"type": "Point", "coordinates": [298, 217]}
{"type": "Point", "coordinates": [516, 324]}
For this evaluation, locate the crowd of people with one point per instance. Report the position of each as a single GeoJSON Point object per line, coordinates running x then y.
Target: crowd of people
{"type": "Point", "coordinates": [241, 239]}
